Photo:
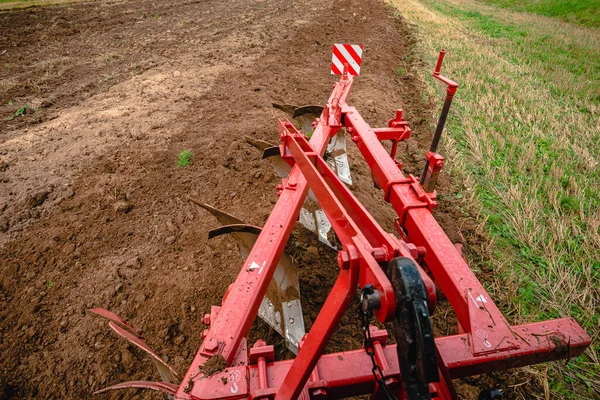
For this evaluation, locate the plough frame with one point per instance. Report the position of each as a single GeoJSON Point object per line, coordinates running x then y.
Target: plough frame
{"type": "Point", "coordinates": [485, 341]}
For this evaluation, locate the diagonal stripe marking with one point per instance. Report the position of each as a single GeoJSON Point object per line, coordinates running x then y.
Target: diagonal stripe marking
{"type": "Point", "coordinates": [337, 52]}
{"type": "Point", "coordinates": [348, 58]}
{"type": "Point", "coordinates": [358, 49]}
{"type": "Point", "coordinates": [334, 69]}
{"type": "Point", "coordinates": [352, 53]}
{"type": "Point", "coordinates": [335, 62]}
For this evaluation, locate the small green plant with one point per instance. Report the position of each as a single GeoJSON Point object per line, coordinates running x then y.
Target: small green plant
{"type": "Point", "coordinates": [10, 102]}
{"type": "Point", "coordinates": [185, 159]}
{"type": "Point", "coordinates": [156, 16]}
{"type": "Point", "coordinates": [49, 284]}
{"type": "Point", "coordinates": [400, 71]}
{"type": "Point", "coordinates": [20, 112]}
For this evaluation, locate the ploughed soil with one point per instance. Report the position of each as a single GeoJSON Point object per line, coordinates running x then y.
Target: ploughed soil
{"type": "Point", "coordinates": [97, 100]}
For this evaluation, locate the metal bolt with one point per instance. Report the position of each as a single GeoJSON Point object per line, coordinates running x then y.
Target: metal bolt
{"type": "Point", "coordinates": [319, 394]}
{"type": "Point", "coordinates": [379, 254]}
{"type": "Point", "coordinates": [371, 299]}
{"type": "Point", "coordinates": [212, 345]}
{"type": "Point", "coordinates": [399, 115]}
{"type": "Point", "coordinates": [414, 253]}
{"type": "Point", "coordinates": [206, 319]}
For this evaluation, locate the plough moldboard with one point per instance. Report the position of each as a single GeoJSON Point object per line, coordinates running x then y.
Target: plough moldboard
{"type": "Point", "coordinates": [401, 278]}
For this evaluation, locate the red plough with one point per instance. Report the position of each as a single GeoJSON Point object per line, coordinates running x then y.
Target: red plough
{"type": "Point", "coordinates": [401, 277]}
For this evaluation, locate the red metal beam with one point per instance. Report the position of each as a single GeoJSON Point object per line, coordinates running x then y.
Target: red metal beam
{"type": "Point", "coordinates": [353, 224]}
{"type": "Point", "coordinates": [327, 321]}
{"type": "Point", "coordinates": [540, 342]}
{"type": "Point", "coordinates": [472, 304]}
{"type": "Point", "coordinates": [349, 373]}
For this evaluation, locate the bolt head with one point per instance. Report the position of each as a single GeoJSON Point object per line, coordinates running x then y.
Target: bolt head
{"type": "Point", "coordinates": [379, 334]}
{"type": "Point", "coordinates": [212, 345]}
{"type": "Point", "coordinates": [379, 254]}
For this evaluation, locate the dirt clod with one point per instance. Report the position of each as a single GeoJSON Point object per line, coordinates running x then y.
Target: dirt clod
{"type": "Point", "coordinates": [313, 250]}
{"type": "Point", "coordinates": [122, 206]}
{"type": "Point", "coordinates": [37, 199]}
{"type": "Point", "coordinates": [213, 365]}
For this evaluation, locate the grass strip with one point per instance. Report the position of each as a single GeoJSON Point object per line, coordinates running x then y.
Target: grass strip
{"type": "Point", "coordinates": [524, 139]}
{"type": "Point", "coordinates": [584, 12]}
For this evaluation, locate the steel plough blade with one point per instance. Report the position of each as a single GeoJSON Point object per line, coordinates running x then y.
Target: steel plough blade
{"type": "Point", "coordinates": [281, 307]}
{"type": "Point", "coordinates": [272, 154]}
{"type": "Point", "coordinates": [134, 337]}
{"type": "Point", "coordinates": [337, 158]}
{"type": "Point", "coordinates": [168, 388]}
{"type": "Point", "coordinates": [114, 317]}
{"type": "Point", "coordinates": [306, 116]}
{"type": "Point", "coordinates": [312, 216]}
{"type": "Point", "coordinates": [335, 155]}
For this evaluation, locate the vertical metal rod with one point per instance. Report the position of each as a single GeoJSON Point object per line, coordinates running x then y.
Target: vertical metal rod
{"type": "Point", "coordinates": [262, 373]}
{"type": "Point", "coordinates": [438, 66]}
{"type": "Point", "coordinates": [394, 149]}
{"type": "Point", "coordinates": [438, 132]}
{"type": "Point", "coordinates": [447, 103]}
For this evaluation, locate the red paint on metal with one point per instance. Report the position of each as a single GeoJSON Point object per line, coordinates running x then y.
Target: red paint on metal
{"type": "Point", "coordinates": [452, 86]}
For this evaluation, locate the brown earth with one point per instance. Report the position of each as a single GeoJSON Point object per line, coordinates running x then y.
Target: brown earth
{"type": "Point", "coordinates": [92, 205]}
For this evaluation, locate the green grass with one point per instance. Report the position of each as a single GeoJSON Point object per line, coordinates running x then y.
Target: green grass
{"type": "Point", "coordinates": [185, 158]}
{"type": "Point", "coordinates": [20, 111]}
{"type": "Point", "coordinates": [524, 138]}
{"type": "Point", "coordinates": [584, 12]}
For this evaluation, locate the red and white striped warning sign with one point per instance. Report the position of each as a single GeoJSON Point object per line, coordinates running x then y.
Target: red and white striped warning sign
{"type": "Point", "coordinates": [350, 54]}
